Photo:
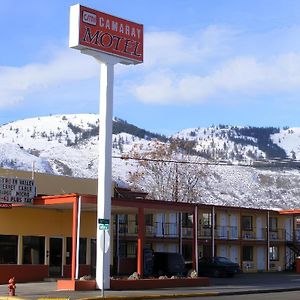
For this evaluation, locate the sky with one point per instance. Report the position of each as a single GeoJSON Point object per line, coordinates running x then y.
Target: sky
{"type": "Point", "coordinates": [206, 62]}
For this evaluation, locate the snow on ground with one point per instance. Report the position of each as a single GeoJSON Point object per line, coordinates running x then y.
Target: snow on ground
{"type": "Point", "coordinates": [289, 140]}
{"type": "Point", "coordinates": [54, 144]}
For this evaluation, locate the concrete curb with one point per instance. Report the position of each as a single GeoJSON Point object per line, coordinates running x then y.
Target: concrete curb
{"type": "Point", "coordinates": [161, 296]}
{"type": "Point", "coordinates": [260, 291]}
{"type": "Point", "coordinates": [164, 296]}
{"type": "Point", "coordinates": [191, 295]}
{"type": "Point", "coordinates": [10, 298]}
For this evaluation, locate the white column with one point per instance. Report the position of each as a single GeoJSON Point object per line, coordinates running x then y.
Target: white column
{"type": "Point", "coordinates": [78, 238]}
{"type": "Point", "coordinates": [20, 250]}
{"type": "Point", "coordinates": [107, 63]}
{"type": "Point", "coordinates": [64, 251]}
{"type": "Point", "coordinates": [104, 170]}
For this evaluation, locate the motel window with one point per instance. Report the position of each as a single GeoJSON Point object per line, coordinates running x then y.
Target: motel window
{"type": "Point", "coordinates": [128, 249]}
{"type": "Point", "coordinates": [123, 219]}
{"type": "Point", "coordinates": [206, 220]}
{"type": "Point", "coordinates": [273, 224]}
{"type": "Point", "coordinates": [82, 251]}
{"type": "Point", "coordinates": [187, 220]}
{"type": "Point", "coordinates": [123, 224]}
{"type": "Point", "coordinates": [131, 249]}
{"type": "Point", "coordinates": [206, 217]}
{"type": "Point", "coordinates": [8, 249]}
{"type": "Point", "coordinates": [149, 219]}
{"type": "Point", "coordinates": [247, 253]}
{"type": "Point", "coordinates": [123, 250]}
{"type": "Point", "coordinates": [297, 222]}
{"type": "Point", "coordinates": [247, 223]}
{"type": "Point", "coordinates": [274, 253]}
{"type": "Point", "coordinates": [187, 251]}
{"type": "Point", "coordinates": [33, 250]}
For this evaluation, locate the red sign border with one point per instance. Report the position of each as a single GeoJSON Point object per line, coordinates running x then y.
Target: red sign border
{"type": "Point", "coordinates": [107, 34]}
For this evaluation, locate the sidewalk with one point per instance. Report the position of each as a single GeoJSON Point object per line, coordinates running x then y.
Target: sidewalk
{"type": "Point", "coordinates": [241, 284]}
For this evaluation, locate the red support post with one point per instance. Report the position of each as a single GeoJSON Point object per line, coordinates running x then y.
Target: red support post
{"type": "Point", "coordinates": [195, 239]}
{"type": "Point", "coordinates": [141, 240]}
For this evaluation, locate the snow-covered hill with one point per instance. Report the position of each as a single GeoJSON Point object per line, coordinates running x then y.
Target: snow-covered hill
{"type": "Point", "coordinates": [68, 145]}
{"type": "Point", "coordinates": [60, 144]}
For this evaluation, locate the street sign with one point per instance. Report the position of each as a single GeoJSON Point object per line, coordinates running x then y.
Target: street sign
{"type": "Point", "coordinates": [103, 224]}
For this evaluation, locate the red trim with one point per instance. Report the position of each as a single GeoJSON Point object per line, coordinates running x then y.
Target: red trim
{"type": "Point", "coordinates": [89, 199]}
{"type": "Point", "coordinates": [142, 284]}
{"type": "Point", "coordinates": [76, 285]}
{"type": "Point", "coordinates": [290, 212]}
{"type": "Point", "coordinates": [194, 241]}
{"type": "Point", "coordinates": [145, 203]}
{"type": "Point", "coordinates": [57, 199]}
{"type": "Point", "coordinates": [141, 238]}
{"type": "Point", "coordinates": [23, 273]}
{"type": "Point", "coordinates": [154, 204]}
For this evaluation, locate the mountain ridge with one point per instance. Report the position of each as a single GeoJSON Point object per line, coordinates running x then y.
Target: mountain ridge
{"type": "Point", "coordinates": [68, 145]}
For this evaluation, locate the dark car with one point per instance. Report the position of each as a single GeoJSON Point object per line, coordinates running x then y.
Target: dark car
{"type": "Point", "coordinates": [169, 264]}
{"type": "Point", "coordinates": [217, 266]}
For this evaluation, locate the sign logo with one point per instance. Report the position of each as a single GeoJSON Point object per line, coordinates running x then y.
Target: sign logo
{"type": "Point", "coordinates": [89, 18]}
{"type": "Point", "coordinates": [92, 29]}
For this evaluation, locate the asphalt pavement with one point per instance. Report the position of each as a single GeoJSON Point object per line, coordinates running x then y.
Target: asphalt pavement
{"type": "Point", "coordinates": [240, 284]}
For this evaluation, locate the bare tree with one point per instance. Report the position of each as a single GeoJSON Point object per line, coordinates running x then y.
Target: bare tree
{"type": "Point", "coordinates": [167, 172]}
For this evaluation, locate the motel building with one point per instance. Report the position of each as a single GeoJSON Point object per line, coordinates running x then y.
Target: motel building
{"type": "Point", "coordinates": [55, 235]}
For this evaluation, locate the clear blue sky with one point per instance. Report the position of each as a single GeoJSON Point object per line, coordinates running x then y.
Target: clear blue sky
{"type": "Point", "coordinates": [234, 62]}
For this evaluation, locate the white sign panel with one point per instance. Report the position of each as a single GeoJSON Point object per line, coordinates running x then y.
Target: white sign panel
{"type": "Point", "coordinates": [16, 190]}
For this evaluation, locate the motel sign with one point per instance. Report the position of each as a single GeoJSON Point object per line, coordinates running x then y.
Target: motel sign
{"type": "Point", "coordinates": [105, 33]}
{"type": "Point", "coordinates": [110, 40]}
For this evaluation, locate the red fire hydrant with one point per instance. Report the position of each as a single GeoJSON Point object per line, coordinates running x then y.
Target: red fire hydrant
{"type": "Point", "coordinates": [11, 287]}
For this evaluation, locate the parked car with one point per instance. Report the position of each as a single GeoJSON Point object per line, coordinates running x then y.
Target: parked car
{"type": "Point", "coordinates": [217, 266]}
{"type": "Point", "coordinates": [169, 264]}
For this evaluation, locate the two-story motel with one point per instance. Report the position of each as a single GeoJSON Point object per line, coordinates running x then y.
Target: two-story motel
{"type": "Point", "coordinates": [55, 236]}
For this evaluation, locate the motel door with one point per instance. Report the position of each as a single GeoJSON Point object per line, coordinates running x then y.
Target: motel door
{"type": "Point", "coordinates": [233, 255]}
{"type": "Point", "coordinates": [233, 227]}
{"type": "Point", "coordinates": [223, 227]}
{"type": "Point", "coordinates": [55, 257]}
{"type": "Point", "coordinates": [259, 228]}
{"type": "Point", "coordinates": [173, 224]}
{"type": "Point", "coordinates": [160, 218]}
{"type": "Point", "coordinates": [93, 257]}
{"type": "Point", "coordinates": [223, 250]}
{"type": "Point", "coordinates": [288, 226]}
{"type": "Point", "coordinates": [261, 258]}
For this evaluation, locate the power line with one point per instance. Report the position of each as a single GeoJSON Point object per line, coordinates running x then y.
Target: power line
{"type": "Point", "coordinates": [275, 163]}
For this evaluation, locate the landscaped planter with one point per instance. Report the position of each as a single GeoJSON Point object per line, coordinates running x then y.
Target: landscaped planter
{"type": "Point", "coordinates": [133, 284]}
{"type": "Point", "coordinates": [141, 284]}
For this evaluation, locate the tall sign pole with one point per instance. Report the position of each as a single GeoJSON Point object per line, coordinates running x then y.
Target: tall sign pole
{"type": "Point", "coordinates": [110, 40]}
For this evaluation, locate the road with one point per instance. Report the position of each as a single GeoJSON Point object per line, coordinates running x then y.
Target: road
{"type": "Point", "coordinates": [295, 295]}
